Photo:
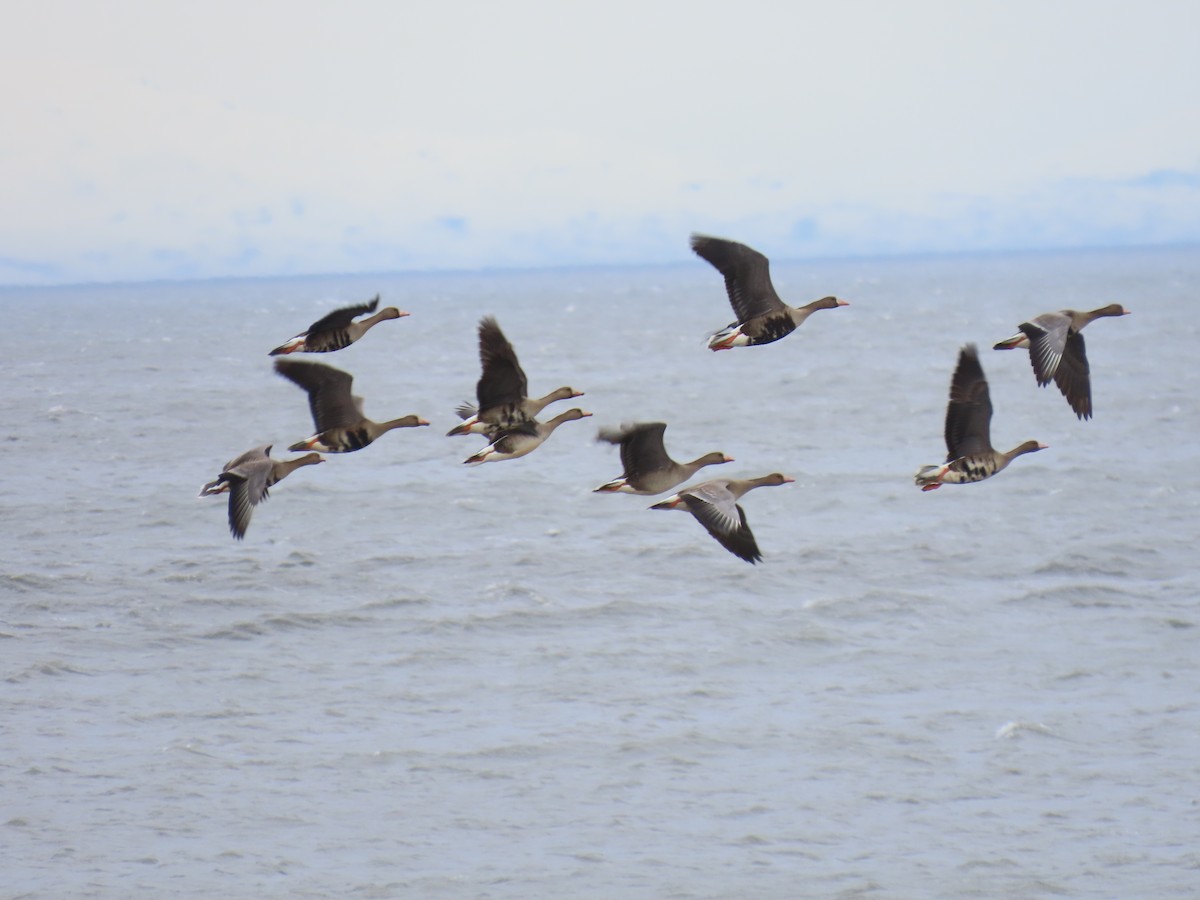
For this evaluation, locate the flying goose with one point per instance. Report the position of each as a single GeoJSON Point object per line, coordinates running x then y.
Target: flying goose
{"type": "Point", "coordinates": [528, 409]}
{"type": "Point", "coordinates": [337, 330]}
{"type": "Point", "coordinates": [1056, 351]}
{"type": "Point", "coordinates": [648, 468]}
{"type": "Point", "coordinates": [502, 389]}
{"type": "Point", "coordinates": [337, 415]}
{"type": "Point", "coordinates": [248, 477]}
{"type": "Point", "coordinates": [715, 506]}
{"type": "Point", "coordinates": [522, 439]}
{"type": "Point", "coordinates": [968, 425]}
{"type": "Point", "coordinates": [762, 317]}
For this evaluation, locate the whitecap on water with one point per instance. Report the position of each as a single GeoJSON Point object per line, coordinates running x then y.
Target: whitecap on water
{"type": "Point", "coordinates": [1015, 729]}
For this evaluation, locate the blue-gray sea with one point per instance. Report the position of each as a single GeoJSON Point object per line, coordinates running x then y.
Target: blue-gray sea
{"type": "Point", "coordinates": [416, 678]}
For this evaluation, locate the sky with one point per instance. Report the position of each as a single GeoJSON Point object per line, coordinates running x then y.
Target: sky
{"type": "Point", "coordinates": [171, 140]}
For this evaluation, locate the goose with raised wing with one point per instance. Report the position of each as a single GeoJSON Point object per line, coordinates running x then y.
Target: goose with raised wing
{"type": "Point", "coordinates": [648, 468]}
{"type": "Point", "coordinates": [502, 389]}
{"type": "Point", "coordinates": [762, 317]}
{"type": "Point", "coordinates": [337, 415]}
{"type": "Point", "coordinates": [338, 329]}
{"type": "Point", "coordinates": [970, 455]}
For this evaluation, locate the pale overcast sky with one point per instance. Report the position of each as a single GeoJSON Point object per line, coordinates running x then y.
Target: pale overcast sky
{"type": "Point", "coordinates": [147, 140]}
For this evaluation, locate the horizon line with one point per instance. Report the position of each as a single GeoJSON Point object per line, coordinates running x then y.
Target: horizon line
{"type": "Point", "coordinates": [580, 267]}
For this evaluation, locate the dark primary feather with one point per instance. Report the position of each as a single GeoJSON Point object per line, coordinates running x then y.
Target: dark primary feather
{"type": "Point", "coordinates": [738, 540]}
{"type": "Point", "coordinates": [329, 397]}
{"type": "Point", "coordinates": [642, 449]}
{"type": "Point", "coordinates": [1073, 376]}
{"type": "Point", "coordinates": [248, 477]}
{"type": "Point", "coordinates": [714, 505]}
{"type": "Point", "coordinates": [242, 500]}
{"type": "Point", "coordinates": [969, 412]}
{"type": "Point", "coordinates": [503, 381]}
{"type": "Point", "coordinates": [1058, 353]}
{"type": "Point", "coordinates": [747, 275]}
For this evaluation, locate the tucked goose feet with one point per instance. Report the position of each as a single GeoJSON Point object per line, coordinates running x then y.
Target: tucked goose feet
{"type": "Point", "coordinates": [312, 443]}
{"type": "Point", "coordinates": [929, 478]}
{"type": "Point", "coordinates": [728, 338]}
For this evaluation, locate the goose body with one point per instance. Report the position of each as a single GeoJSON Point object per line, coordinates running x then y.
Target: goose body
{"type": "Point", "coordinates": [762, 317]}
{"type": "Point", "coordinates": [1057, 352]}
{"type": "Point", "coordinates": [523, 439]}
{"type": "Point", "coordinates": [248, 478]}
{"type": "Point", "coordinates": [502, 390]}
{"type": "Point", "coordinates": [338, 329]}
{"type": "Point", "coordinates": [715, 505]}
{"type": "Point", "coordinates": [529, 408]}
{"type": "Point", "coordinates": [338, 416]}
{"type": "Point", "coordinates": [648, 468]}
{"type": "Point", "coordinates": [970, 455]}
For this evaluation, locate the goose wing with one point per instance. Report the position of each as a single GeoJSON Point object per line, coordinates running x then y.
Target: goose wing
{"type": "Point", "coordinates": [340, 318]}
{"type": "Point", "coordinates": [248, 456]}
{"type": "Point", "coordinates": [503, 381]}
{"type": "Point", "coordinates": [329, 398]}
{"type": "Point", "coordinates": [747, 276]}
{"type": "Point", "coordinates": [715, 508]}
{"type": "Point", "coordinates": [1047, 342]}
{"type": "Point", "coordinates": [1073, 376]}
{"type": "Point", "coordinates": [247, 488]}
{"type": "Point", "coordinates": [1057, 352]}
{"type": "Point", "coordinates": [969, 412]}
{"type": "Point", "coordinates": [642, 449]}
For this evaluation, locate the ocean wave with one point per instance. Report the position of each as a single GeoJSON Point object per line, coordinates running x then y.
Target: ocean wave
{"type": "Point", "coordinates": [27, 582]}
{"type": "Point", "coordinates": [50, 667]}
{"type": "Point", "coordinates": [244, 631]}
{"type": "Point", "coordinates": [1110, 565]}
{"type": "Point", "coordinates": [1081, 595]}
{"type": "Point", "coordinates": [395, 602]}
{"type": "Point", "coordinates": [1013, 729]}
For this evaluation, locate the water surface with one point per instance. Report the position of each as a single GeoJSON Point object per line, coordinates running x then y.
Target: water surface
{"type": "Point", "coordinates": [416, 678]}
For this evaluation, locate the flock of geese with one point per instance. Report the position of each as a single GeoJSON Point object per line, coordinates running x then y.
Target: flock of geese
{"type": "Point", "coordinates": [507, 417]}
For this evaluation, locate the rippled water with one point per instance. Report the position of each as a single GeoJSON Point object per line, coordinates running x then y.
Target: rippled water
{"type": "Point", "coordinates": [420, 679]}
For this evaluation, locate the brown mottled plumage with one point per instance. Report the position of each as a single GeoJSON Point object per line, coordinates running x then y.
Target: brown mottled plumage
{"type": "Point", "coordinates": [502, 389]}
{"type": "Point", "coordinates": [970, 454]}
{"type": "Point", "coordinates": [337, 414]}
{"type": "Point", "coordinates": [762, 317]}
{"type": "Point", "coordinates": [338, 329]}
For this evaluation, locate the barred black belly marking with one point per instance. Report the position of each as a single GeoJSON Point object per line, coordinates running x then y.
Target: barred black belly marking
{"type": "Point", "coordinates": [356, 439]}
{"type": "Point", "coordinates": [337, 340]}
{"type": "Point", "coordinates": [347, 441]}
{"type": "Point", "coordinates": [971, 470]}
{"type": "Point", "coordinates": [772, 329]}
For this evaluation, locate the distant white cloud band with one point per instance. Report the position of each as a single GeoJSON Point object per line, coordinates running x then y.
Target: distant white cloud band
{"type": "Point", "coordinates": [296, 236]}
